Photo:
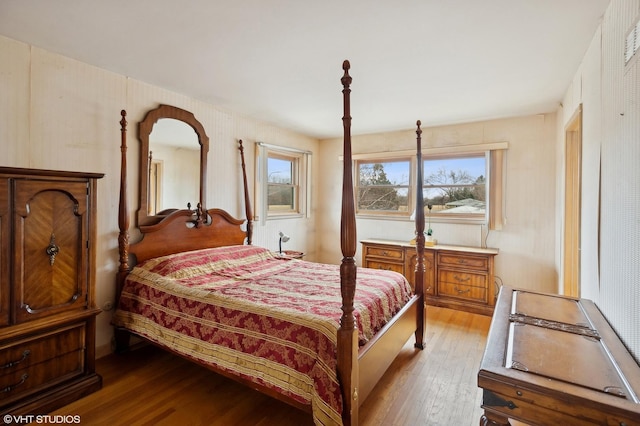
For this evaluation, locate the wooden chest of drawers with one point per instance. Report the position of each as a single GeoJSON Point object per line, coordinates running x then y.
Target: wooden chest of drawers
{"type": "Point", "coordinates": [47, 274]}
{"type": "Point", "coordinates": [456, 277]}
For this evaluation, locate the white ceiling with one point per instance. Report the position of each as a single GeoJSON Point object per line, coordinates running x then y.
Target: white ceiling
{"type": "Point", "coordinates": [280, 61]}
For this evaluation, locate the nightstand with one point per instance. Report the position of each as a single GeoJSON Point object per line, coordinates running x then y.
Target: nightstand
{"type": "Point", "coordinates": [291, 254]}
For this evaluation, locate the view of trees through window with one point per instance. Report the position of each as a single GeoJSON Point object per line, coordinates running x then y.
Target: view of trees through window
{"type": "Point", "coordinates": [380, 191]}
{"type": "Point", "coordinates": [280, 183]}
{"type": "Point", "coordinates": [452, 185]}
{"type": "Point", "coordinates": [455, 185]}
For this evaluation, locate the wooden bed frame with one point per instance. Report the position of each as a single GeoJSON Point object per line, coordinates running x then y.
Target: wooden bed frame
{"type": "Point", "coordinates": [359, 368]}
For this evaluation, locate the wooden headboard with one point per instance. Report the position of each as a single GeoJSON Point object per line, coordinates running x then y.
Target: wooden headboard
{"type": "Point", "coordinates": [179, 230]}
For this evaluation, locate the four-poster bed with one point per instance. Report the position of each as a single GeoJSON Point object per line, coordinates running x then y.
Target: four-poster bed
{"type": "Point", "coordinates": [200, 289]}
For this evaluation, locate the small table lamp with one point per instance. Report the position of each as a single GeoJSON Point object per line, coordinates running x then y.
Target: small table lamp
{"type": "Point", "coordinates": [283, 239]}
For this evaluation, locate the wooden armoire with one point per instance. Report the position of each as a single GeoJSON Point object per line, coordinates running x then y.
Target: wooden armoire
{"type": "Point", "coordinates": [47, 274]}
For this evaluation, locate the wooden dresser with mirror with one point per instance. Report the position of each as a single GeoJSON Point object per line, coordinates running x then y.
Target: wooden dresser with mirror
{"type": "Point", "coordinates": [47, 274]}
{"type": "Point", "coordinates": [456, 277]}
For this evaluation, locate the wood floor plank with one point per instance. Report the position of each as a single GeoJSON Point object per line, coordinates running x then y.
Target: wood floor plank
{"type": "Point", "coordinates": [436, 386]}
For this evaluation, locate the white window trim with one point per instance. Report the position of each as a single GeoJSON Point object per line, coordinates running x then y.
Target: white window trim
{"type": "Point", "coordinates": [445, 150]}
{"type": "Point", "coordinates": [496, 151]}
{"type": "Point", "coordinates": [304, 176]}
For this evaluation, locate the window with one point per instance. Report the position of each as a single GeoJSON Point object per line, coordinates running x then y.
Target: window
{"type": "Point", "coordinates": [383, 186]}
{"type": "Point", "coordinates": [281, 187]}
{"type": "Point", "coordinates": [456, 185]}
{"type": "Point", "coordinates": [282, 183]}
{"type": "Point", "coordinates": [462, 184]}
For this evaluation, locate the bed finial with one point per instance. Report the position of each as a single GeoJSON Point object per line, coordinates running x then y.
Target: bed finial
{"type": "Point", "coordinates": [247, 199]}
{"type": "Point", "coordinates": [346, 78]}
{"type": "Point", "coordinates": [420, 268]}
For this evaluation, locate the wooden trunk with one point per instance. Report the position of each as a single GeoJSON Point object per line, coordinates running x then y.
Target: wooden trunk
{"type": "Point", "coordinates": [553, 360]}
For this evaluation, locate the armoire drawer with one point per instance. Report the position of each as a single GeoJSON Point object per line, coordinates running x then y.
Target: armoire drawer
{"type": "Point", "coordinates": [25, 352]}
{"type": "Point", "coordinates": [37, 376]}
{"type": "Point", "coordinates": [35, 362]}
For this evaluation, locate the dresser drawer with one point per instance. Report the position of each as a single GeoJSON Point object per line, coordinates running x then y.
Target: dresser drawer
{"type": "Point", "coordinates": [463, 278]}
{"type": "Point", "coordinates": [462, 291]}
{"type": "Point", "coordinates": [480, 263]}
{"type": "Point", "coordinates": [22, 353]}
{"type": "Point", "coordinates": [37, 376]}
{"type": "Point", "coordinates": [386, 266]}
{"type": "Point", "coordinates": [36, 362]}
{"type": "Point", "coordinates": [384, 251]}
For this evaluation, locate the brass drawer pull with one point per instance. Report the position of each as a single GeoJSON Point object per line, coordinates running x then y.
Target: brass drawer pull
{"type": "Point", "coordinates": [462, 291]}
{"type": "Point", "coordinates": [457, 278]}
{"type": "Point", "coordinates": [52, 250]}
{"type": "Point", "coordinates": [9, 388]}
{"type": "Point", "coordinates": [10, 364]}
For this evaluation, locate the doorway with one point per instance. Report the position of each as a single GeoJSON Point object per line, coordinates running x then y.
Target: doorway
{"type": "Point", "coordinates": [572, 205]}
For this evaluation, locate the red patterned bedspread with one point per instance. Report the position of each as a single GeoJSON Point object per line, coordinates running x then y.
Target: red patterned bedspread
{"type": "Point", "coordinates": [269, 320]}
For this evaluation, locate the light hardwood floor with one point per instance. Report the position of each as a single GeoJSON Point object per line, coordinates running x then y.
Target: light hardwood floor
{"type": "Point", "coordinates": [436, 386]}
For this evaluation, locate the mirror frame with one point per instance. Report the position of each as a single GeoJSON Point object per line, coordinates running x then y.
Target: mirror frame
{"type": "Point", "coordinates": [144, 131]}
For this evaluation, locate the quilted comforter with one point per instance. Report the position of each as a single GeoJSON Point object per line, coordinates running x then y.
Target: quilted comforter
{"type": "Point", "coordinates": [246, 311]}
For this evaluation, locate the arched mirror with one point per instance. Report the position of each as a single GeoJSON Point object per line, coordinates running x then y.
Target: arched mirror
{"type": "Point", "coordinates": [173, 163]}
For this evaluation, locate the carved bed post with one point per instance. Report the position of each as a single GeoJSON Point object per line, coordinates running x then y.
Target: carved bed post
{"type": "Point", "coordinates": [247, 200]}
{"type": "Point", "coordinates": [348, 333]}
{"type": "Point", "coordinates": [123, 213]}
{"type": "Point", "coordinates": [420, 268]}
{"type": "Point", "coordinates": [122, 337]}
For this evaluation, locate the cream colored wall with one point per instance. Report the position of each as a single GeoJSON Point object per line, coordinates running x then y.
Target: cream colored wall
{"type": "Point", "coordinates": [527, 241]}
{"type": "Point", "coordinates": [609, 93]}
{"type": "Point", "coordinates": [57, 113]}
{"type": "Point", "coordinates": [585, 92]}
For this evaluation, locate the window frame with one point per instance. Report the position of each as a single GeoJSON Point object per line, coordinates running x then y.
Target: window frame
{"type": "Point", "coordinates": [410, 186]}
{"type": "Point", "coordinates": [299, 181]}
{"type": "Point", "coordinates": [495, 178]}
{"type": "Point", "coordinates": [442, 216]}
{"type": "Point", "coordinates": [294, 185]}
